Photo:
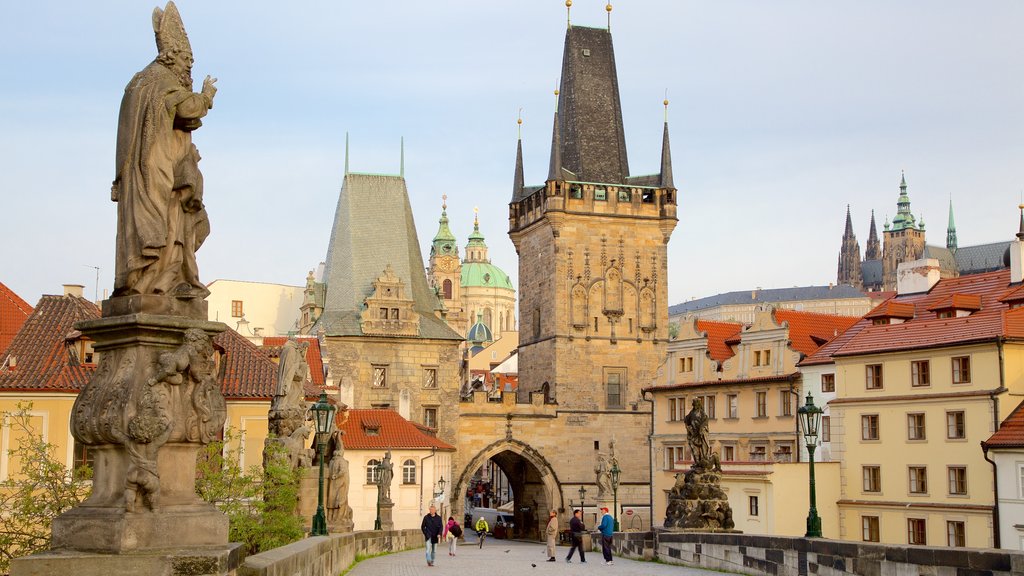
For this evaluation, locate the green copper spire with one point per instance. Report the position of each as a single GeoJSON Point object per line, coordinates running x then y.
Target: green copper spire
{"type": "Point", "coordinates": [444, 240]}
{"type": "Point", "coordinates": [951, 230]}
{"type": "Point", "coordinates": [476, 239]}
{"type": "Point", "coordinates": [903, 219]}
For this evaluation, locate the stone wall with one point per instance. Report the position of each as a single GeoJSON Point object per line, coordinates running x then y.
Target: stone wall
{"type": "Point", "coordinates": [328, 555]}
{"type": "Point", "coordinates": [786, 556]}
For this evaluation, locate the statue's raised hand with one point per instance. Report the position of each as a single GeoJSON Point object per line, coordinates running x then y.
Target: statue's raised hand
{"type": "Point", "coordinates": [209, 90]}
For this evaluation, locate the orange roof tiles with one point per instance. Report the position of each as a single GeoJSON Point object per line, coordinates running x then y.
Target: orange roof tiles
{"type": "Point", "coordinates": [43, 361]}
{"type": "Point", "coordinates": [13, 313]}
{"type": "Point", "coordinates": [246, 371]}
{"type": "Point", "coordinates": [1015, 294]}
{"type": "Point", "coordinates": [892, 309]}
{"type": "Point", "coordinates": [925, 330]}
{"type": "Point", "coordinates": [272, 346]}
{"type": "Point", "coordinates": [971, 302]}
{"type": "Point", "coordinates": [809, 330]}
{"type": "Point", "coordinates": [718, 335]}
{"type": "Point", "coordinates": [1010, 433]}
{"type": "Point", "coordinates": [392, 431]}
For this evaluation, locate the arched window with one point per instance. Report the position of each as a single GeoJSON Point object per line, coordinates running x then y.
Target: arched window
{"type": "Point", "coordinates": [487, 317]}
{"type": "Point", "coordinates": [372, 473]}
{"type": "Point", "coordinates": [446, 289]}
{"type": "Point", "coordinates": [409, 471]}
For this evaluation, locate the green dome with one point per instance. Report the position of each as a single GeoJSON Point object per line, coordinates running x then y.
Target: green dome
{"type": "Point", "coordinates": [484, 274]}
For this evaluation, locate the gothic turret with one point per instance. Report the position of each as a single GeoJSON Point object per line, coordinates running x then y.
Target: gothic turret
{"type": "Point", "coordinates": [904, 218]}
{"type": "Point", "coordinates": [666, 156]}
{"type": "Point", "coordinates": [874, 248]}
{"type": "Point", "coordinates": [951, 230]}
{"type": "Point", "coordinates": [849, 256]}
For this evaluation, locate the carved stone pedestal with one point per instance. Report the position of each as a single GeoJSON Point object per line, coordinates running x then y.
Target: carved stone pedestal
{"type": "Point", "coordinates": [385, 515]}
{"type": "Point", "coordinates": [698, 503]}
{"type": "Point", "coordinates": [309, 483]}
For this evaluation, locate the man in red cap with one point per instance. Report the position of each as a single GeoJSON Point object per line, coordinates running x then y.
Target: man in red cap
{"type": "Point", "coordinates": [607, 528]}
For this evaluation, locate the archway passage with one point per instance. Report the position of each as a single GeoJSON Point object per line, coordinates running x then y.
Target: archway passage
{"type": "Point", "coordinates": [528, 481]}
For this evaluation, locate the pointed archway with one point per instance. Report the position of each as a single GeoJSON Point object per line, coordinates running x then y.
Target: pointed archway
{"type": "Point", "coordinates": [534, 485]}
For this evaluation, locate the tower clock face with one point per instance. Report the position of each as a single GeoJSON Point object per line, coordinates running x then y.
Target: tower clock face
{"type": "Point", "coordinates": [447, 264]}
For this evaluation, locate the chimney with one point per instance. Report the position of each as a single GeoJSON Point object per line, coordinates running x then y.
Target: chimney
{"type": "Point", "coordinates": [917, 276]}
{"type": "Point", "coordinates": [1017, 252]}
{"type": "Point", "coordinates": [73, 290]}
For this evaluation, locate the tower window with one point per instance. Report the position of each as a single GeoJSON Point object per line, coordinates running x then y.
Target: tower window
{"type": "Point", "coordinates": [446, 289]}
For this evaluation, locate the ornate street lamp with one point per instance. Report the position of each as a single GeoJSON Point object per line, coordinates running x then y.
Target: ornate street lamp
{"type": "Point", "coordinates": [810, 419]}
{"type": "Point", "coordinates": [583, 497]}
{"type": "Point", "coordinates": [439, 491]}
{"type": "Point", "coordinates": [323, 413]}
{"type": "Point", "coordinates": [615, 492]}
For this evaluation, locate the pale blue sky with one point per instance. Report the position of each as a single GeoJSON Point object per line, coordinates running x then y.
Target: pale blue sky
{"type": "Point", "coordinates": [781, 113]}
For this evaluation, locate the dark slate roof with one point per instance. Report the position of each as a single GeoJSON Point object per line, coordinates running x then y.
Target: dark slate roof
{"type": "Point", "coordinates": [43, 358]}
{"type": "Point", "coordinates": [871, 272]}
{"type": "Point", "coordinates": [528, 191]}
{"type": "Point", "coordinates": [943, 255]}
{"type": "Point", "coordinates": [374, 227]}
{"type": "Point", "coordinates": [593, 141]}
{"type": "Point", "coordinates": [771, 295]}
{"type": "Point", "coordinates": [982, 258]}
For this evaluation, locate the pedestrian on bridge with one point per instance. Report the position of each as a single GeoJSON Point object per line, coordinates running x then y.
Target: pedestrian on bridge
{"type": "Point", "coordinates": [552, 534]}
{"type": "Point", "coordinates": [577, 528]}
{"type": "Point", "coordinates": [607, 529]}
{"type": "Point", "coordinates": [431, 528]}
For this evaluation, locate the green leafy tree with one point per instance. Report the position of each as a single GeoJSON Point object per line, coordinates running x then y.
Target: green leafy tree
{"type": "Point", "coordinates": [259, 503]}
{"type": "Point", "coordinates": [37, 491]}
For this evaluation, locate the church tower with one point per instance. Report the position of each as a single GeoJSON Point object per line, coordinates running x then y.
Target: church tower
{"type": "Point", "coordinates": [592, 244]}
{"type": "Point", "coordinates": [849, 256]}
{"type": "Point", "coordinates": [445, 271]}
{"type": "Point", "coordinates": [903, 241]}
{"type": "Point", "coordinates": [874, 248]}
{"type": "Point", "coordinates": [951, 230]}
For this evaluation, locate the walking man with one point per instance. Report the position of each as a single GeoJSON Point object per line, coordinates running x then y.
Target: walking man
{"type": "Point", "coordinates": [552, 534]}
{"type": "Point", "coordinates": [607, 529]}
{"type": "Point", "coordinates": [431, 528]}
{"type": "Point", "coordinates": [576, 528]}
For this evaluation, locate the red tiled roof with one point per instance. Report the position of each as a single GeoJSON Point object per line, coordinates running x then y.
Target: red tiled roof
{"type": "Point", "coordinates": [13, 313]}
{"type": "Point", "coordinates": [393, 431]}
{"type": "Point", "coordinates": [756, 380]}
{"type": "Point", "coordinates": [881, 295]}
{"type": "Point", "coordinates": [272, 346]}
{"type": "Point", "coordinates": [1015, 294]}
{"type": "Point", "coordinates": [1011, 431]}
{"type": "Point", "coordinates": [809, 330]}
{"type": "Point", "coordinates": [994, 319]}
{"type": "Point", "coordinates": [892, 309]}
{"type": "Point", "coordinates": [246, 372]}
{"type": "Point", "coordinates": [718, 335]}
{"type": "Point", "coordinates": [43, 360]}
{"type": "Point", "coordinates": [971, 302]}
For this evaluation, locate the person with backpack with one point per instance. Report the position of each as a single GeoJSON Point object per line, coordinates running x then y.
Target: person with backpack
{"type": "Point", "coordinates": [452, 532]}
{"type": "Point", "coordinates": [481, 530]}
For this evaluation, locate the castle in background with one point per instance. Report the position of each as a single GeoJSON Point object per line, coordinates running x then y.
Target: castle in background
{"type": "Point", "coordinates": [903, 240]}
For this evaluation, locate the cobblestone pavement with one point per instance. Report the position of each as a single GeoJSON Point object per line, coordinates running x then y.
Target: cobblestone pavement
{"type": "Point", "coordinates": [504, 557]}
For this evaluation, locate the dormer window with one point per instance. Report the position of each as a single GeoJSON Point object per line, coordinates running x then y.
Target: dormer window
{"type": "Point", "coordinates": [956, 306]}
{"type": "Point", "coordinates": [890, 312]}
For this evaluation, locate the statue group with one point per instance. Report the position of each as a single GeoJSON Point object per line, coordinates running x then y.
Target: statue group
{"type": "Point", "coordinates": [697, 501]}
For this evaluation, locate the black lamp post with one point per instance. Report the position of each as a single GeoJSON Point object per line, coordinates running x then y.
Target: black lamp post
{"type": "Point", "coordinates": [323, 413]}
{"type": "Point", "coordinates": [439, 491]}
{"type": "Point", "coordinates": [583, 497]}
{"type": "Point", "coordinates": [615, 492]}
{"type": "Point", "coordinates": [810, 418]}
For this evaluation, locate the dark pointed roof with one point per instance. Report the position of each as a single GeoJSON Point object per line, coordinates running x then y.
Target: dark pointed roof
{"type": "Point", "coordinates": [517, 178]}
{"type": "Point", "coordinates": [593, 143]}
{"type": "Point", "coordinates": [874, 249]}
{"type": "Point", "coordinates": [666, 161]}
{"type": "Point", "coordinates": [555, 166]}
{"type": "Point", "coordinates": [374, 227]}
{"type": "Point", "coordinates": [848, 233]}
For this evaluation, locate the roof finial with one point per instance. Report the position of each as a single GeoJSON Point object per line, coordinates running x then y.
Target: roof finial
{"type": "Point", "coordinates": [476, 217]}
{"type": "Point", "coordinates": [568, 7]}
{"type": "Point", "coordinates": [346, 153]}
{"type": "Point", "coordinates": [608, 9]}
{"type": "Point", "coordinates": [519, 123]}
{"type": "Point", "coordinates": [556, 97]}
{"type": "Point", "coordinates": [401, 165]}
{"type": "Point", "coordinates": [444, 202]}
{"type": "Point", "coordinates": [665, 102]}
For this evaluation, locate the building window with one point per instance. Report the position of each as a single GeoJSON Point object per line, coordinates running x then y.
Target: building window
{"type": "Point", "coordinates": [767, 357]}
{"type": "Point", "coordinates": [83, 457]}
{"type": "Point", "coordinates": [753, 505]}
{"type": "Point", "coordinates": [915, 426]}
{"type": "Point", "coordinates": [872, 478]}
{"type": "Point", "coordinates": [955, 428]}
{"type": "Point", "coordinates": [734, 406]}
{"type": "Point", "coordinates": [613, 388]}
{"type": "Point", "coordinates": [916, 531]}
{"type": "Point", "coordinates": [372, 473]}
{"type": "Point", "coordinates": [686, 364]}
{"type": "Point", "coordinates": [600, 193]}
{"type": "Point", "coordinates": [709, 405]}
{"type": "Point", "coordinates": [785, 403]}
{"type": "Point", "coordinates": [236, 309]}
{"type": "Point", "coordinates": [962, 370]}
{"type": "Point", "coordinates": [762, 404]}
{"type": "Point", "coordinates": [957, 480]}
{"type": "Point", "coordinates": [728, 453]}
{"type": "Point", "coordinates": [869, 427]}
{"type": "Point", "coordinates": [918, 479]}
{"type": "Point", "coordinates": [869, 527]}
{"type": "Point", "coordinates": [446, 289]}
{"type": "Point", "coordinates": [676, 408]}
{"type": "Point", "coordinates": [826, 428]}
{"type": "Point", "coordinates": [873, 375]}
{"type": "Point", "coordinates": [383, 313]}
{"type": "Point", "coordinates": [828, 382]}
{"type": "Point", "coordinates": [536, 323]}
{"type": "Point", "coordinates": [409, 471]}
{"type": "Point", "coordinates": [380, 376]}
{"type": "Point", "coordinates": [675, 456]}
{"type": "Point", "coordinates": [919, 373]}
{"type": "Point", "coordinates": [956, 534]}
{"type": "Point", "coordinates": [759, 453]}
{"type": "Point", "coordinates": [394, 313]}
{"type": "Point", "coordinates": [624, 195]}
{"type": "Point", "coordinates": [430, 377]}
{"type": "Point", "coordinates": [757, 357]}
{"type": "Point", "coordinates": [430, 417]}
{"type": "Point", "coordinates": [784, 453]}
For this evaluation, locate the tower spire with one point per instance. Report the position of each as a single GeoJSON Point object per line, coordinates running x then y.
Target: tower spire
{"type": "Point", "coordinates": [555, 165]}
{"type": "Point", "coordinates": [904, 218]}
{"type": "Point", "coordinates": [568, 9]}
{"type": "Point", "coordinates": [849, 271]}
{"type": "Point", "coordinates": [608, 9]}
{"type": "Point", "coordinates": [666, 153]}
{"type": "Point", "coordinates": [517, 179]}
{"type": "Point", "coordinates": [951, 229]}
{"type": "Point", "coordinates": [874, 249]}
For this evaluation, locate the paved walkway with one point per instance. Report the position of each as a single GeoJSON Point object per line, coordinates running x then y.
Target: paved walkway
{"type": "Point", "coordinates": [501, 557]}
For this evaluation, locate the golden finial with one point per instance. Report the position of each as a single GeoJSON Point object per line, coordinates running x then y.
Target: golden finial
{"type": "Point", "coordinates": [444, 201]}
{"type": "Point", "coordinates": [568, 7]}
{"type": "Point", "coordinates": [519, 123]}
{"type": "Point", "coordinates": [556, 97]}
{"type": "Point", "coordinates": [665, 102]}
{"type": "Point", "coordinates": [608, 9]}
{"type": "Point", "coordinates": [476, 216]}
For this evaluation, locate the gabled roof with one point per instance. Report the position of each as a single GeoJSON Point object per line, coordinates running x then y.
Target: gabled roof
{"type": "Point", "coordinates": [823, 355]}
{"type": "Point", "coordinates": [13, 313]}
{"type": "Point", "coordinates": [1014, 294]}
{"type": "Point", "coordinates": [808, 331]}
{"type": "Point", "coordinates": [246, 372]}
{"type": "Point", "coordinates": [892, 309]}
{"type": "Point", "coordinates": [718, 333]}
{"type": "Point", "coordinates": [970, 302]}
{"type": "Point", "coordinates": [43, 358]}
{"type": "Point", "coordinates": [925, 330]}
{"type": "Point", "coordinates": [272, 347]}
{"type": "Point", "coordinates": [392, 431]}
{"type": "Point", "coordinates": [769, 296]}
{"type": "Point", "coordinates": [1010, 433]}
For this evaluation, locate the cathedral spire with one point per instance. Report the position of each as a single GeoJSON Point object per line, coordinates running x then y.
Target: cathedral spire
{"type": "Point", "coordinates": [903, 219]}
{"type": "Point", "coordinates": [666, 155]}
{"type": "Point", "coordinates": [951, 229]}
{"type": "Point", "coordinates": [874, 248]}
{"type": "Point", "coordinates": [849, 224]}
{"type": "Point", "coordinates": [517, 179]}
{"type": "Point", "coordinates": [849, 256]}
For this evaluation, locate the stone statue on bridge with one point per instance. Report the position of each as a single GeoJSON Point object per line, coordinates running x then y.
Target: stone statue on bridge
{"type": "Point", "coordinates": [697, 501]}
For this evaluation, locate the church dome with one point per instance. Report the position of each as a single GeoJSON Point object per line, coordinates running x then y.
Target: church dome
{"type": "Point", "coordinates": [479, 332]}
{"type": "Point", "coordinates": [485, 275]}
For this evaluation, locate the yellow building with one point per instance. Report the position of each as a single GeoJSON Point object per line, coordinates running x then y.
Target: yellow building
{"type": "Point", "coordinates": [928, 377]}
{"type": "Point", "coordinates": [748, 382]}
